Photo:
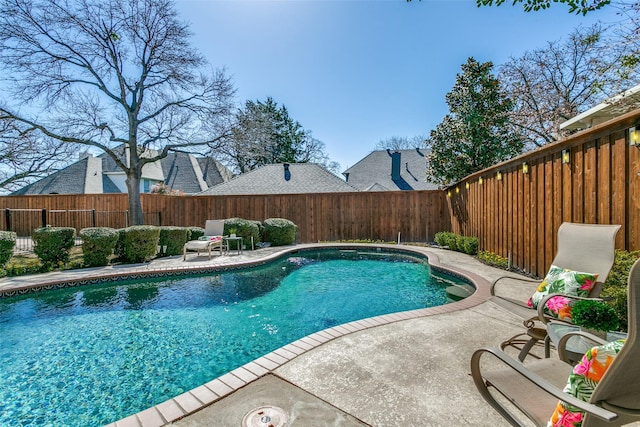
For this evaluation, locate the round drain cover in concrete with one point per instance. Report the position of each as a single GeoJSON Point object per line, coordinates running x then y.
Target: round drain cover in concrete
{"type": "Point", "coordinates": [265, 416]}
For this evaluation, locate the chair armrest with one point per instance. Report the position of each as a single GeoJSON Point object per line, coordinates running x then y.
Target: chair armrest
{"type": "Point", "coordinates": [562, 344]}
{"type": "Point", "coordinates": [536, 379]}
{"type": "Point", "coordinates": [493, 284]}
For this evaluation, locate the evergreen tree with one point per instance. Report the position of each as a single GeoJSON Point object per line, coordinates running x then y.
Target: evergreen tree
{"type": "Point", "coordinates": [475, 134]}
{"type": "Point", "coordinates": [266, 134]}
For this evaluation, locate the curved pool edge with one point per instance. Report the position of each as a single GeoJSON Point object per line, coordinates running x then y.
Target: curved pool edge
{"type": "Point", "coordinates": [200, 397]}
{"type": "Point", "coordinates": [215, 390]}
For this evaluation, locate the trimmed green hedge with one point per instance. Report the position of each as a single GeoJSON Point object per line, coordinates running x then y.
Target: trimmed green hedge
{"type": "Point", "coordinates": [174, 239]}
{"type": "Point", "coordinates": [243, 228]}
{"type": "Point", "coordinates": [98, 244]}
{"type": "Point", "coordinates": [280, 231]}
{"type": "Point", "coordinates": [52, 244]}
{"type": "Point", "coordinates": [455, 242]}
{"type": "Point", "coordinates": [140, 242]}
{"type": "Point", "coordinates": [119, 249]}
{"type": "Point", "coordinates": [7, 243]}
{"type": "Point", "coordinates": [195, 233]}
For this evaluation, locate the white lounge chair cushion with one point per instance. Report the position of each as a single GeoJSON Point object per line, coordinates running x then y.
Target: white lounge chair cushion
{"type": "Point", "coordinates": [197, 244]}
{"type": "Point", "coordinates": [582, 381]}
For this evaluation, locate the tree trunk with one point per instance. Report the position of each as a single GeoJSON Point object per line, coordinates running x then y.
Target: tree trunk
{"type": "Point", "coordinates": [135, 204]}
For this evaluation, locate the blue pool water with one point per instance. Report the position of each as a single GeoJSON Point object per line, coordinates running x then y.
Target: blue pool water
{"type": "Point", "coordinates": [89, 356]}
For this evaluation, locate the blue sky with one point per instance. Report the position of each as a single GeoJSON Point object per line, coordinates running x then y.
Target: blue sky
{"type": "Point", "coordinates": [355, 72]}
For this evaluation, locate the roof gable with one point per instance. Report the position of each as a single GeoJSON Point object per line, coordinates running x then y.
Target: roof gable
{"type": "Point", "coordinates": [283, 178]}
{"type": "Point", "coordinates": [70, 180]}
{"type": "Point", "coordinates": [383, 170]}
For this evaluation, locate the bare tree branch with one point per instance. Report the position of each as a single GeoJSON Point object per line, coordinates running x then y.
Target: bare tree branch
{"type": "Point", "coordinates": [118, 75]}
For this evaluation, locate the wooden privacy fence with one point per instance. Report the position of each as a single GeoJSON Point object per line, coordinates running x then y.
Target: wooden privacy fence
{"type": "Point", "coordinates": [416, 215]}
{"type": "Point", "coordinates": [515, 210]}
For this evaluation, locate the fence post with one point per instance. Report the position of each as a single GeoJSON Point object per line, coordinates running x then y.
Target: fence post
{"type": "Point", "coordinates": [93, 217]}
{"type": "Point", "coordinates": [159, 219]}
{"type": "Point", "coordinates": [44, 218]}
{"type": "Point", "coordinates": [7, 217]}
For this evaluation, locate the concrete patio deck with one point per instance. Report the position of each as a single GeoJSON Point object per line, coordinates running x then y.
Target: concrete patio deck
{"type": "Point", "coordinates": [406, 369]}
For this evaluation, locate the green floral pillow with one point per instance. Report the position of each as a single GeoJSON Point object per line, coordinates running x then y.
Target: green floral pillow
{"type": "Point", "coordinates": [582, 381]}
{"type": "Point", "coordinates": [562, 281]}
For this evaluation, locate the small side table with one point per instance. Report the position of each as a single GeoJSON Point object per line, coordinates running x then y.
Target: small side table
{"type": "Point", "coordinates": [577, 346]}
{"type": "Point", "coordinates": [238, 240]}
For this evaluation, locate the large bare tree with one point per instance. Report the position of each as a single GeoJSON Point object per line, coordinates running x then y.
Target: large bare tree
{"type": "Point", "coordinates": [24, 156]}
{"type": "Point", "coordinates": [552, 84]}
{"type": "Point", "coordinates": [117, 75]}
{"type": "Point", "coordinates": [402, 143]}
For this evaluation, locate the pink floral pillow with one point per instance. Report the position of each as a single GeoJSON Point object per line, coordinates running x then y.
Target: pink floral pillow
{"type": "Point", "coordinates": [582, 381]}
{"type": "Point", "coordinates": [562, 281]}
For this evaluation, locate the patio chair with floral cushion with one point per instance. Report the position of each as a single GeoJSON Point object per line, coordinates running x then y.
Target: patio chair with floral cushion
{"type": "Point", "coordinates": [212, 240]}
{"type": "Point", "coordinates": [603, 389]}
{"type": "Point", "coordinates": [584, 258]}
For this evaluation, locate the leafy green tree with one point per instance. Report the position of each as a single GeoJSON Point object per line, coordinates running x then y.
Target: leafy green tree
{"type": "Point", "coordinates": [475, 134]}
{"type": "Point", "coordinates": [265, 133]}
{"type": "Point", "coordinates": [575, 6]}
{"type": "Point", "coordinates": [115, 75]}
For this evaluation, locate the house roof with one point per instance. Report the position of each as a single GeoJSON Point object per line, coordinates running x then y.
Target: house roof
{"type": "Point", "coordinates": [283, 178]}
{"type": "Point", "coordinates": [180, 171]}
{"type": "Point", "coordinates": [70, 180]}
{"type": "Point", "coordinates": [611, 108]}
{"type": "Point", "coordinates": [375, 172]}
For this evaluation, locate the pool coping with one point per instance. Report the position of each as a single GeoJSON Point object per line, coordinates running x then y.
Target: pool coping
{"type": "Point", "coordinates": [204, 395]}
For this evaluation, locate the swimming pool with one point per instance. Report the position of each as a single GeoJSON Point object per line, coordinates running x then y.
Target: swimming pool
{"type": "Point", "coordinates": [99, 353]}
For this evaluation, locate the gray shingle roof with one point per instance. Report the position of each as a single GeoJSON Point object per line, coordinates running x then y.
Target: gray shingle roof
{"type": "Point", "coordinates": [374, 172]}
{"type": "Point", "coordinates": [70, 180]}
{"type": "Point", "coordinates": [181, 171]}
{"type": "Point", "coordinates": [301, 178]}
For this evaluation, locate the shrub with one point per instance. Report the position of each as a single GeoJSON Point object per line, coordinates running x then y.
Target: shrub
{"type": "Point", "coordinates": [243, 228]}
{"type": "Point", "coordinates": [260, 232]}
{"type": "Point", "coordinates": [444, 238]}
{"type": "Point", "coordinates": [119, 249]}
{"type": "Point", "coordinates": [494, 260]}
{"type": "Point", "coordinates": [31, 266]}
{"type": "Point", "coordinates": [470, 245]}
{"type": "Point", "coordinates": [280, 231]}
{"type": "Point", "coordinates": [455, 242]}
{"type": "Point", "coordinates": [52, 244]}
{"type": "Point", "coordinates": [594, 315]}
{"type": "Point", "coordinates": [98, 244]}
{"type": "Point", "coordinates": [140, 242]}
{"type": "Point", "coordinates": [195, 233]}
{"type": "Point", "coordinates": [615, 287]}
{"type": "Point", "coordinates": [174, 239]}
{"type": "Point", "coordinates": [7, 243]}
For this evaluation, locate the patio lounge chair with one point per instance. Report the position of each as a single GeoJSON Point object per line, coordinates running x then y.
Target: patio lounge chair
{"type": "Point", "coordinates": [212, 239]}
{"type": "Point", "coordinates": [535, 388]}
{"type": "Point", "coordinates": [582, 248]}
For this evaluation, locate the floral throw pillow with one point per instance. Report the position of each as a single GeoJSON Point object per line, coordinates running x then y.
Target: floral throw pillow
{"type": "Point", "coordinates": [212, 238]}
{"type": "Point", "coordinates": [562, 281]}
{"type": "Point", "coordinates": [582, 381]}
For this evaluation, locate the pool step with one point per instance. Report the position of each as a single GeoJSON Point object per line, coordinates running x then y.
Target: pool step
{"type": "Point", "coordinates": [459, 292]}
